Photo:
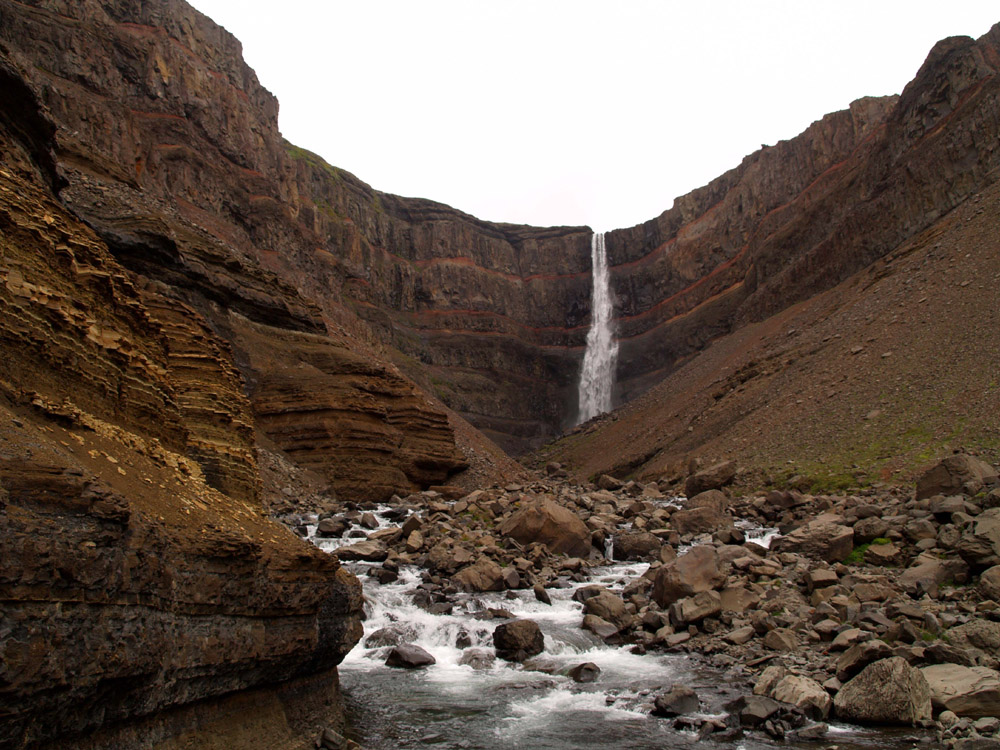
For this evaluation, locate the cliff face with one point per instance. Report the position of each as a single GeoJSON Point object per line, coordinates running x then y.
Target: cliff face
{"type": "Point", "coordinates": [172, 152]}
{"type": "Point", "coordinates": [138, 571]}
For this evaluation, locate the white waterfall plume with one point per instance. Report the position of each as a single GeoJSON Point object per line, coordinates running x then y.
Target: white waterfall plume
{"type": "Point", "coordinates": [598, 376]}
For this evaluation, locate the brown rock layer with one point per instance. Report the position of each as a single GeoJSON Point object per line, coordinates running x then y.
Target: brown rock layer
{"type": "Point", "coordinates": [172, 151]}
{"type": "Point", "coordinates": [138, 572]}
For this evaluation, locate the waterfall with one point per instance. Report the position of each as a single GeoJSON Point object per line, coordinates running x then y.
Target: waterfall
{"type": "Point", "coordinates": [598, 375]}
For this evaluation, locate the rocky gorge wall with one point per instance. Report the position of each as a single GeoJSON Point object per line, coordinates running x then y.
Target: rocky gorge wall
{"type": "Point", "coordinates": [172, 152]}
{"type": "Point", "coordinates": [139, 574]}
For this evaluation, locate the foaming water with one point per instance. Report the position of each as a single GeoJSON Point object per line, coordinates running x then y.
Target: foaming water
{"type": "Point", "coordinates": [535, 706]}
{"type": "Point", "coordinates": [601, 355]}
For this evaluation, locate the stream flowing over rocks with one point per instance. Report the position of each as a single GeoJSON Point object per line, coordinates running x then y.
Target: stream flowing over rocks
{"type": "Point", "coordinates": [623, 614]}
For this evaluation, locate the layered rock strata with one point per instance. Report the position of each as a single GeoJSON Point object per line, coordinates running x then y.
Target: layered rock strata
{"type": "Point", "coordinates": [492, 317]}
{"type": "Point", "coordinates": [139, 575]}
{"type": "Point", "coordinates": [171, 152]}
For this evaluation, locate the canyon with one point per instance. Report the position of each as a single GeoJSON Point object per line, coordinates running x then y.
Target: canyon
{"type": "Point", "coordinates": [201, 320]}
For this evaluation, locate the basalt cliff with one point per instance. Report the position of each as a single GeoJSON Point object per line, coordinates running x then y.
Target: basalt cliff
{"type": "Point", "coordinates": [198, 319]}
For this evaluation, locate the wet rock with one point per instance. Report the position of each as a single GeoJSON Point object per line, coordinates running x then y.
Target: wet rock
{"type": "Point", "coordinates": [889, 691]}
{"type": "Point", "coordinates": [558, 528]}
{"type": "Point", "coordinates": [541, 594]}
{"type": "Point", "coordinates": [600, 627]}
{"type": "Point", "coordinates": [518, 640]}
{"type": "Point", "coordinates": [757, 709]}
{"type": "Point", "coordinates": [677, 701]}
{"type": "Point", "coordinates": [609, 607]}
{"type": "Point", "coordinates": [369, 551]}
{"type": "Point", "coordinates": [586, 672]}
{"type": "Point", "coordinates": [409, 656]}
{"type": "Point", "coordinates": [393, 635]}
{"type": "Point", "coordinates": [331, 527]}
{"type": "Point", "coordinates": [959, 473]}
{"type": "Point", "coordinates": [693, 572]}
{"type": "Point", "coordinates": [966, 691]}
{"type": "Point", "coordinates": [477, 658]}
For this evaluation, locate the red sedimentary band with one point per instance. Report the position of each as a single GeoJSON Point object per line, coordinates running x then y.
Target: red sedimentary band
{"type": "Point", "coordinates": [464, 260]}
{"type": "Point", "coordinates": [728, 290]}
{"type": "Point", "coordinates": [677, 236]}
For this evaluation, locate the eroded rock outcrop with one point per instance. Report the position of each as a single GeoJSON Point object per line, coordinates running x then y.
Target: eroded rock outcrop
{"type": "Point", "coordinates": [138, 572]}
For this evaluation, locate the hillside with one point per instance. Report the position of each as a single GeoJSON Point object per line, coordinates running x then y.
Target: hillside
{"type": "Point", "coordinates": [867, 382]}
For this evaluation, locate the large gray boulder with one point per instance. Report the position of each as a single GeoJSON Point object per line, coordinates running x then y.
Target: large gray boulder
{"type": "Point", "coordinates": [889, 691]}
{"type": "Point", "coordinates": [697, 570]}
{"type": "Point", "coordinates": [556, 527]}
{"type": "Point", "coordinates": [824, 538]}
{"type": "Point", "coordinates": [956, 474]}
{"type": "Point", "coordinates": [967, 691]}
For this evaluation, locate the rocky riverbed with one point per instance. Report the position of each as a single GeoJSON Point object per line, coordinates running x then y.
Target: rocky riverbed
{"type": "Point", "coordinates": [671, 613]}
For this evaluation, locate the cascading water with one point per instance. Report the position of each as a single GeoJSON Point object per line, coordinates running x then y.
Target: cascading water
{"type": "Point", "coordinates": [597, 377]}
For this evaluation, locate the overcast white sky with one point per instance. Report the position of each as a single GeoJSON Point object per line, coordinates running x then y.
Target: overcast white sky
{"type": "Point", "coordinates": [572, 112]}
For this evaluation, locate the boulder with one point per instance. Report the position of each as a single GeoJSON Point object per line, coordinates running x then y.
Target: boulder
{"type": "Point", "coordinates": [694, 609]}
{"type": "Point", "coordinates": [366, 550]}
{"type": "Point", "coordinates": [609, 607]}
{"type": "Point", "coordinates": [955, 474]}
{"type": "Point", "coordinates": [980, 548]}
{"type": "Point", "coordinates": [586, 672]}
{"type": "Point", "coordinates": [600, 627]}
{"type": "Point", "coordinates": [859, 656]}
{"type": "Point", "coordinates": [712, 478]}
{"type": "Point", "coordinates": [693, 572]}
{"type": "Point", "coordinates": [967, 691]}
{"type": "Point", "coordinates": [482, 575]}
{"type": "Point", "coordinates": [677, 701]}
{"type": "Point", "coordinates": [781, 639]}
{"type": "Point", "coordinates": [556, 527]}
{"type": "Point", "coordinates": [409, 656]}
{"type": "Point", "coordinates": [927, 572]}
{"type": "Point", "coordinates": [478, 658]}
{"type": "Point", "coordinates": [889, 691]}
{"type": "Point", "coordinates": [980, 634]}
{"type": "Point", "coordinates": [713, 499]}
{"type": "Point", "coordinates": [704, 520]}
{"type": "Point", "coordinates": [989, 583]}
{"type": "Point", "coordinates": [803, 693]}
{"type": "Point", "coordinates": [636, 546]}
{"type": "Point", "coordinates": [518, 640]}
{"type": "Point", "coordinates": [823, 539]}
